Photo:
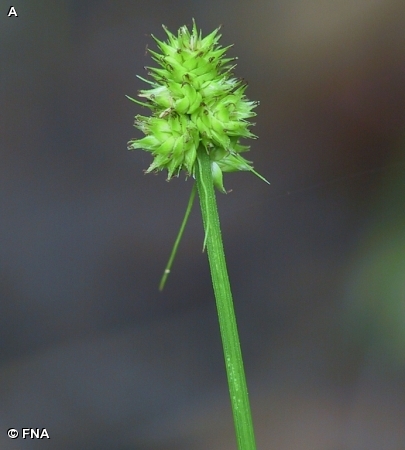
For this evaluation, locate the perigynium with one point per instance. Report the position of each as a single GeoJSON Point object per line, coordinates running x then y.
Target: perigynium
{"type": "Point", "coordinates": [195, 101]}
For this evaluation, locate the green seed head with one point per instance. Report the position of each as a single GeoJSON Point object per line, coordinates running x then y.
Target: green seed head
{"type": "Point", "coordinates": [194, 101]}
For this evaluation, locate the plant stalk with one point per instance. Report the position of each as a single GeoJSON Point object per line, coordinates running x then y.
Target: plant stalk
{"type": "Point", "coordinates": [227, 321]}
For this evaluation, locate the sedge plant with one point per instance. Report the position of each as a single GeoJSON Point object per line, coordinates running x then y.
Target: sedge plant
{"type": "Point", "coordinates": [199, 114]}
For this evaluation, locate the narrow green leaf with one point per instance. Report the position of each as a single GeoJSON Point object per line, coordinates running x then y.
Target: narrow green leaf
{"type": "Point", "coordinates": [178, 239]}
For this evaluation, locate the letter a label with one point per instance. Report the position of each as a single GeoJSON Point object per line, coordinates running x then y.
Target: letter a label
{"type": "Point", "coordinates": [12, 12]}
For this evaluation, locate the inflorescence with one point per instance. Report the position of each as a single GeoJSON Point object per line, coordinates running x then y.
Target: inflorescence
{"type": "Point", "coordinates": [195, 101]}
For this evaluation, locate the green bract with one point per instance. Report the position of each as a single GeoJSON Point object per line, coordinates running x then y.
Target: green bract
{"type": "Point", "coordinates": [194, 101]}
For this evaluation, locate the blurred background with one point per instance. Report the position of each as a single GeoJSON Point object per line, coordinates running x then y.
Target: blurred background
{"type": "Point", "coordinates": [89, 348]}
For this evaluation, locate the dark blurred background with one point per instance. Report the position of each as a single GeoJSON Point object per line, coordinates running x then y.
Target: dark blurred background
{"type": "Point", "coordinates": [89, 348]}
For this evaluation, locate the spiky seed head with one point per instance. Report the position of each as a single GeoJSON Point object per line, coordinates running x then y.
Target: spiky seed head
{"type": "Point", "coordinates": [195, 101]}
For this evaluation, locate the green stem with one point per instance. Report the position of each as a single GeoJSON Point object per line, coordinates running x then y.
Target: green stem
{"type": "Point", "coordinates": [227, 321]}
